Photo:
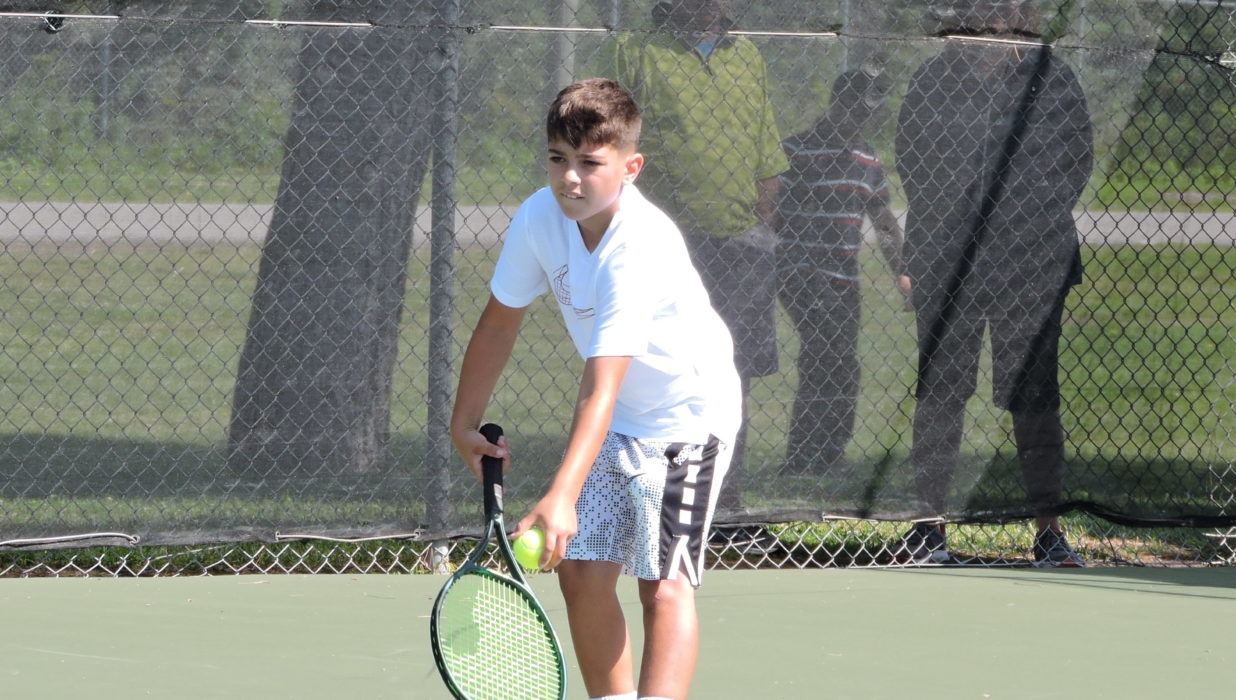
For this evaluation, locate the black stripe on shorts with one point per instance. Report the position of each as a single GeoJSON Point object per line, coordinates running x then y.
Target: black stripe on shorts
{"type": "Point", "coordinates": [686, 509]}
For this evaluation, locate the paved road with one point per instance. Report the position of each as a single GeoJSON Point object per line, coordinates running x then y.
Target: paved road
{"type": "Point", "coordinates": [189, 223]}
{"type": "Point", "coordinates": [483, 225]}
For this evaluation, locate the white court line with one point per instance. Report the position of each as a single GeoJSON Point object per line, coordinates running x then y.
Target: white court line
{"type": "Point", "coordinates": [95, 657]}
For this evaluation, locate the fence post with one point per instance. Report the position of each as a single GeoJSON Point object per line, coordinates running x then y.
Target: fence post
{"type": "Point", "coordinates": [845, 34]}
{"type": "Point", "coordinates": [562, 54]}
{"type": "Point", "coordinates": [438, 451]}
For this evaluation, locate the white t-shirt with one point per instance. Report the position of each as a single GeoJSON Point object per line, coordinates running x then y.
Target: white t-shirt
{"type": "Point", "coordinates": [637, 294]}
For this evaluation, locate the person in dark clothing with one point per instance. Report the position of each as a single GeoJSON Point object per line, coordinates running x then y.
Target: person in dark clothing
{"type": "Point", "coordinates": [994, 148]}
{"type": "Point", "coordinates": [834, 181]}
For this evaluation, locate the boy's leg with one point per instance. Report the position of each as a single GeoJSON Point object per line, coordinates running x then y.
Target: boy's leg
{"type": "Point", "coordinates": [598, 629]}
{"type": "Point", "coordinates": [589, 573]}
{"type": "Point", "coordinates": [826, 315]}
{"type": "Point", "coordinates": [689, 493]}
{"type": "Point", "coordinates": [671, 638]}
{"type": "Point", "coordinates": [656, 522]}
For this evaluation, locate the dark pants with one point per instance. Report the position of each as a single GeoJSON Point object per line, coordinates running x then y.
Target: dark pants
{"type": "Point", "coordinates": [740, 275]}
{"type": "Point", "coordinates": [826, 315]}
{"type": "Point", "coordinates": [1025, 367]}
{"type": "Point", "coordinates": [741, 279]}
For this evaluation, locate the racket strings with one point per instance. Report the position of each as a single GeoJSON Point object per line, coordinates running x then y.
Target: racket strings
{"type": "Point", "coordinates": [495, 644]}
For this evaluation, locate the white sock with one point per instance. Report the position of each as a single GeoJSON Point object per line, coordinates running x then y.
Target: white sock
{"type": "Point", "coordinates": [625, 696]}
{"type": "Point", "coordinates": [654, 697]}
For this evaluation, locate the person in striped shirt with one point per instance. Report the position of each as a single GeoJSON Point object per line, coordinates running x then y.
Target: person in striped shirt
{"type": "Point", "coordinates": [835, 179]}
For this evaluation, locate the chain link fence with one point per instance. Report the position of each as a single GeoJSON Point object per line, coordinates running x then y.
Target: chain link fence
{"type": "Point", "coordinates": [242, 244]}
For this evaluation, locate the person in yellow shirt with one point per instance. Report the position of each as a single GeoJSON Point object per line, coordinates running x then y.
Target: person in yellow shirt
{"type": "Point", "coordinates": [714, 155]}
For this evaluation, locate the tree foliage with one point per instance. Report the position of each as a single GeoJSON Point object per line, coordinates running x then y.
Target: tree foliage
{"type": "Point", "coordinates": [1183, 126]}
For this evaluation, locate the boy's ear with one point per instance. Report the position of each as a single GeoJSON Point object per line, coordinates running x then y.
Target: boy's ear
{"type": "Point", "coordinates": [635, 163]}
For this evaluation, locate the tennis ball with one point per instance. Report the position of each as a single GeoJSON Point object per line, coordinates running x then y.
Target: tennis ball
{"type": "Point", "coordinates": [528, 548]}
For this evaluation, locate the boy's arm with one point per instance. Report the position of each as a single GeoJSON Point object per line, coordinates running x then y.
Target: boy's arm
{"type": "Point", "coordinates": [484, 360]}
{"type": "Point", "coordinates": [555, 513]}
{"type": "Point", "coordinates": [889, 236]}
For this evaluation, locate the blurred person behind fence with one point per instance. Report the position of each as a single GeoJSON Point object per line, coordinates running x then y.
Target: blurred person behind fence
{"type": "Point", "coordinates": [714, 154]}
{"type": "Point", "coordinates": [994, 148]}
{"type": "Point", "coordinates": [834, 181]}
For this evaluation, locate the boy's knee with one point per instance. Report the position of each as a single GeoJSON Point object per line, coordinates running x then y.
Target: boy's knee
{"type": "Point", "coordinates": [572, 580]}
{"type": "Point", "coordinates": [663, 593]}
{"type": "Point", "coordinates": [584, 579]}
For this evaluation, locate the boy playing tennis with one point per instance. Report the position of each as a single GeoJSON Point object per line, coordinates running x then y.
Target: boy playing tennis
{"type": "Point", "coordinates": [658, 401]}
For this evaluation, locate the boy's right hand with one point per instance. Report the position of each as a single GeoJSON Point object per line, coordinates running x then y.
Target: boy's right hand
{"type": "Point", "coordinates": [555, 515]}
{"type": "Point", "coordinates": [471, 445]}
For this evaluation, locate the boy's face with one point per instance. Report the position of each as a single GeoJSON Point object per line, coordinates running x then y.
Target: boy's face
{"type": "Point", "coordinates": [588, 180]}
{"type": "Point", "coordinates": [858, 116]}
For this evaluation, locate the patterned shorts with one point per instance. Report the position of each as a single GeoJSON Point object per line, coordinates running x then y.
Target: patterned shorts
{"type": "Point", "coordinates": [647, 505]}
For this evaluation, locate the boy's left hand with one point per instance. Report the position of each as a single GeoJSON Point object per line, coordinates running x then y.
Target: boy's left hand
{"type": "Point", "coordinates": [472, 446]}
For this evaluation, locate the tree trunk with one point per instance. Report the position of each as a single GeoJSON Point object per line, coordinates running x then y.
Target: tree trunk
{"type": "Point", "coordinates": [314, 382]}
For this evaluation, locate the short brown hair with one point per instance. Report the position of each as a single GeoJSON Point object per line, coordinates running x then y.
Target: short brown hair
{"type": "Point", "coordinates": [596, 111]}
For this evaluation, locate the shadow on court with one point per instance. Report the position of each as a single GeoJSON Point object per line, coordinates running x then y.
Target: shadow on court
{"type": "Point", "coordinates": [1218, 583]}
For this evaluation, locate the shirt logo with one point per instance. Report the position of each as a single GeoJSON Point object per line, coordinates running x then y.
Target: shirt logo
{"type": "Point", "coordinates": [562, 291]}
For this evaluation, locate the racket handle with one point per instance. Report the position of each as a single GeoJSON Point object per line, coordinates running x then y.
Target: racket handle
{"type": "Point", "coordinates": [491, 473]}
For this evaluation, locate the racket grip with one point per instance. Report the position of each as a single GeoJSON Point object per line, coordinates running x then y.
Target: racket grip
{"type": "Point", "coordinates": [491, 471]}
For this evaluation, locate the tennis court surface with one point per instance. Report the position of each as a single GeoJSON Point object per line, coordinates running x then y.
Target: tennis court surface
{"type": "Point", "coordinates": [911, 633]}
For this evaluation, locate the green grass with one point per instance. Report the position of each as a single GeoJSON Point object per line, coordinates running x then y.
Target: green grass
{"type": "Point", "coordinates": [1181, 191]}
{"type": "Point", "coordinates": [119, 364]}
{"type": "Point", "coordinates": [1150, 357]}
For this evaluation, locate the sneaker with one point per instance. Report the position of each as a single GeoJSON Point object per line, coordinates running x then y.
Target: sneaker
{"type": "Point", "coordinates": [746, 539]}
{"type": "Point", "coordinates": [925, 543]}
{"type": "Point", "coordinates": [1052, 550]}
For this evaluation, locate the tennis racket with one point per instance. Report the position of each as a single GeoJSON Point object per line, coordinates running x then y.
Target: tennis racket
{"type": "Point", "coordinates": [491, 638]}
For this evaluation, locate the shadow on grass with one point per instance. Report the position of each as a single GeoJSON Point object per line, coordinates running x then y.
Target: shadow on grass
{"type": "Point", "coordinates": [57, 484]}
{"type": "Point", "coordinates": [1125, 489]}
{"type": "Point", "coordinates": [54, 466]}
{"type": "Point", "coordinates": [180, 492]}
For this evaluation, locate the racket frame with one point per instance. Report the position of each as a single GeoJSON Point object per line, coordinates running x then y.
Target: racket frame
{"type": "Point", "coordinates": [495, 529]}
